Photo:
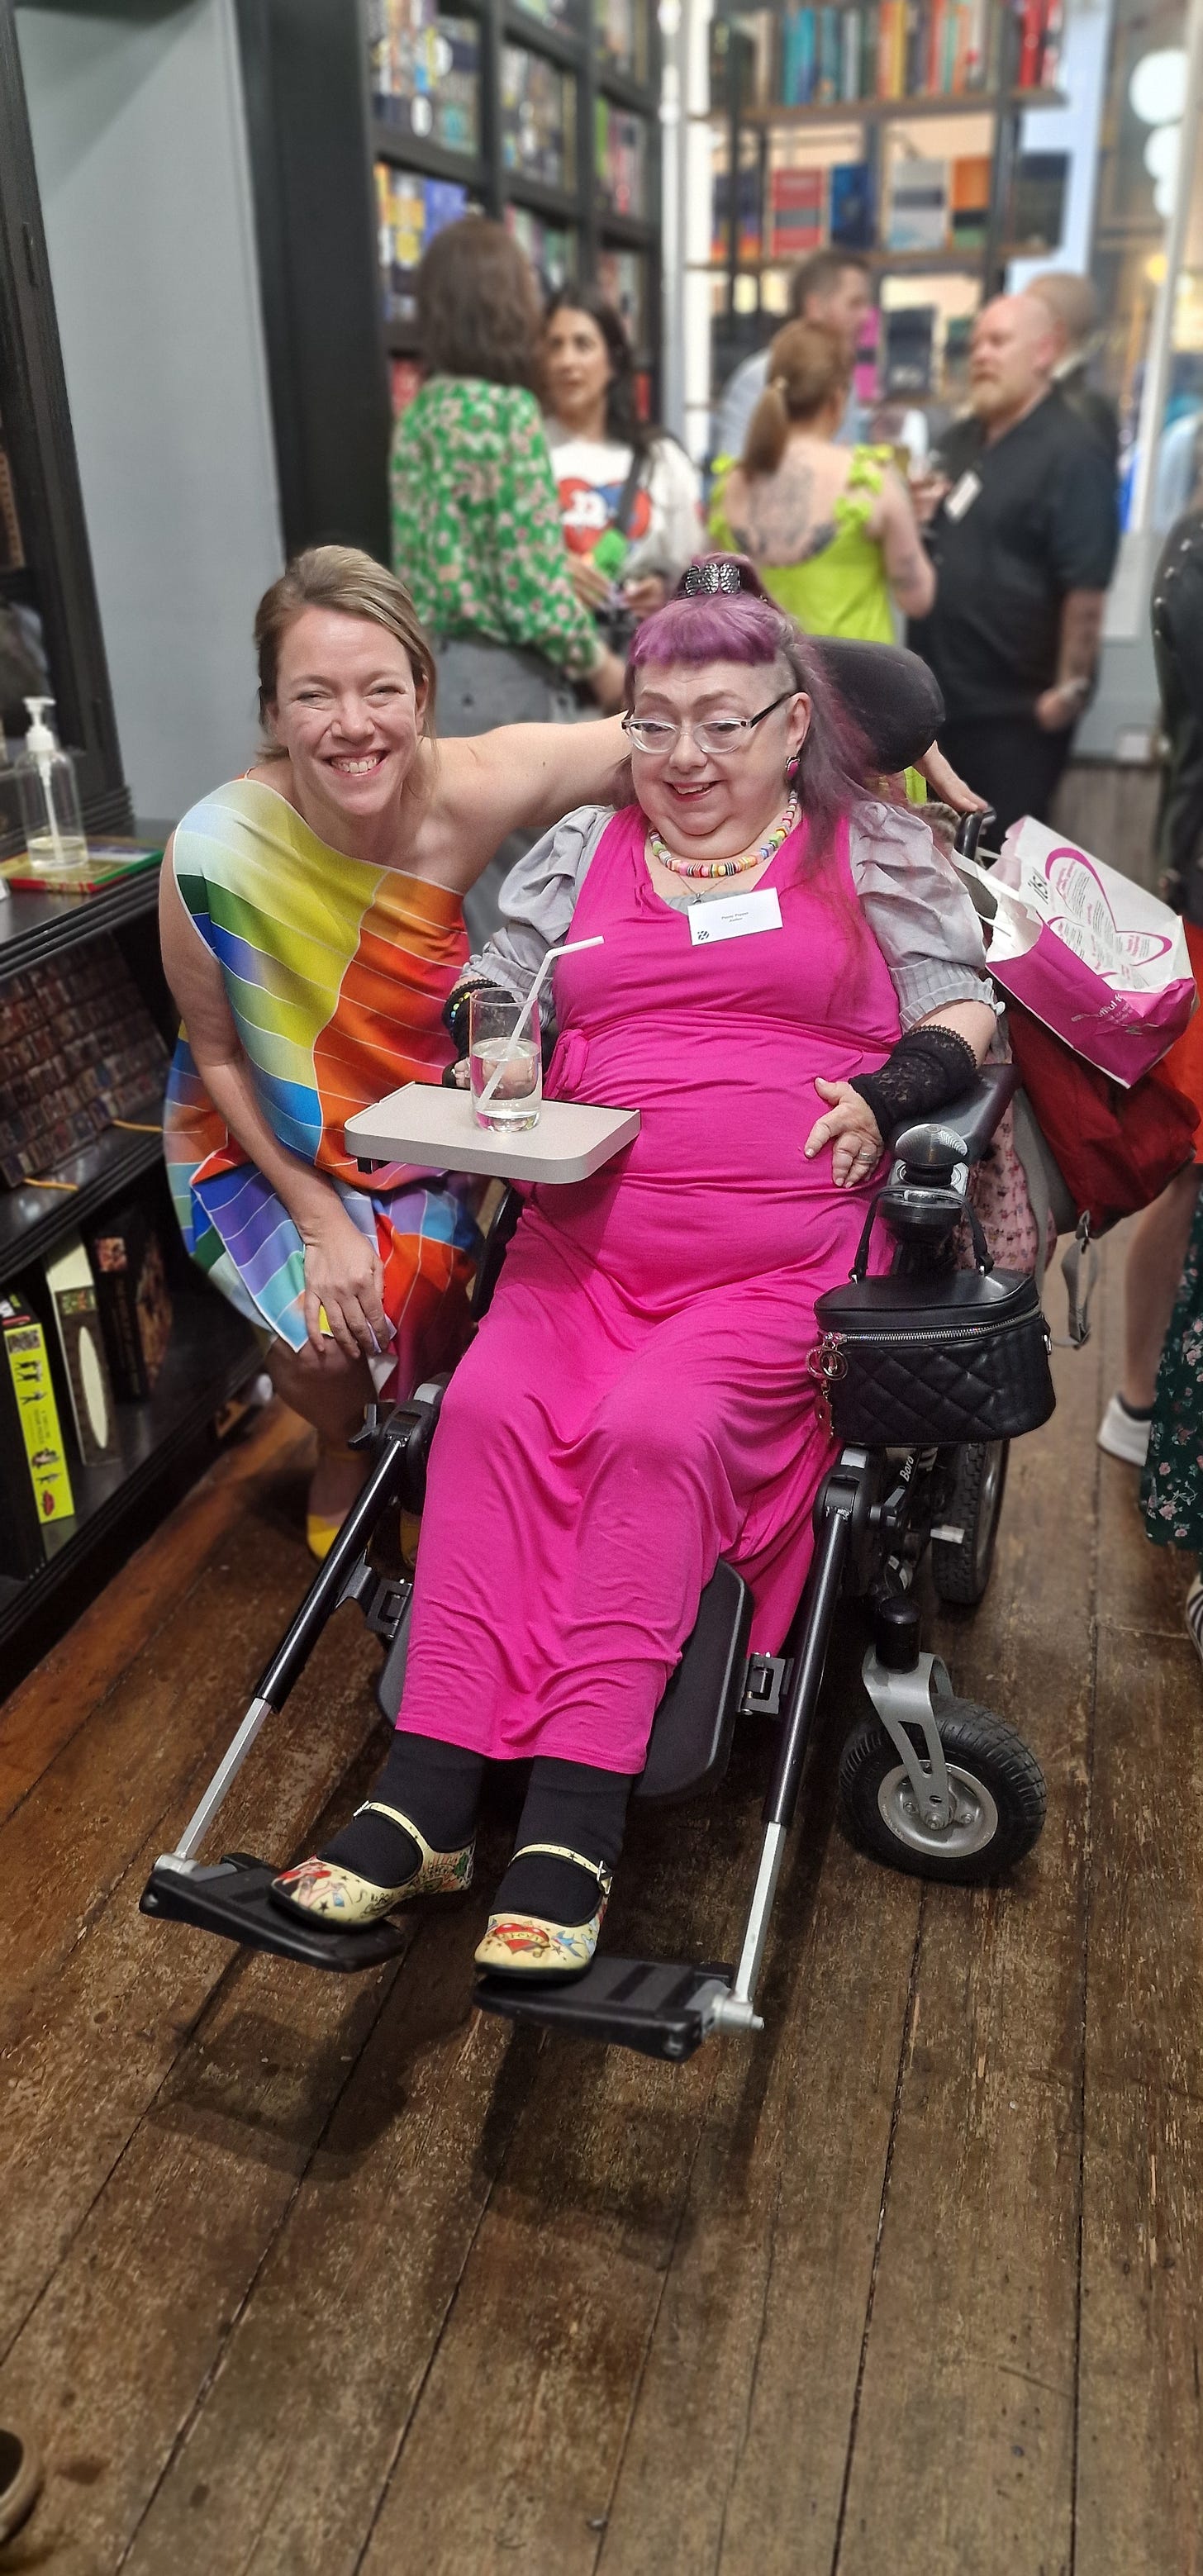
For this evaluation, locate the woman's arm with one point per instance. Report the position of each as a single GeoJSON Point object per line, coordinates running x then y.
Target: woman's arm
{"type": "Point", "coordinates": [908, 566]}
{"type": "Point", "coordinates": [850, 1127]}
{"type": "Point", "coordinates": [519, 778]}
{"type": "Point", "coordinates": [343, 1272]}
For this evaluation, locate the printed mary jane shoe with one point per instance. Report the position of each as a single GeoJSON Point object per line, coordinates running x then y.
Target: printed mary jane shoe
{"type": "Point", "coordinates": [347, 1902]}
{"type": "Point", "coordinates": [527, 1945]}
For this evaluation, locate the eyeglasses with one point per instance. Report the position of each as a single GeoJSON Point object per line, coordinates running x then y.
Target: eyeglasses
{"type": "Point", "coordinates": [715, 736]}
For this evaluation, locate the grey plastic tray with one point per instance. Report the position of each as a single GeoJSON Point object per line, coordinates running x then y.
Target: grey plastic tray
{"type": "Point", "coordinates": [424, 1124]}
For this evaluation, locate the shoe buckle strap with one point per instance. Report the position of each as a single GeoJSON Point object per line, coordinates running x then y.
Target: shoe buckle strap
{"type": "Point", "coordinates": [597, 1869]}
{"type": "Point", "coordinates": [376, 1807]}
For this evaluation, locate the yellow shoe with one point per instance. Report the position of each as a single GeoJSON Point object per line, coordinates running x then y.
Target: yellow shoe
{"type": "Point", "coordinates": [320, 1533]}
{"type": "Point", "coordinates": [526, 1945]}
{"type": "Point", "coordinates": [339, 1897]}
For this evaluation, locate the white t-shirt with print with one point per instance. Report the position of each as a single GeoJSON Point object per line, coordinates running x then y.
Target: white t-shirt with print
{"type": "Point", "coordinates": [665, 526]}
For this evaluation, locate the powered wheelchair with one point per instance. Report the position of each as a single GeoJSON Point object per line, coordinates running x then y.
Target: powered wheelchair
{"type": "Point", "coordinates": [927, 1782]}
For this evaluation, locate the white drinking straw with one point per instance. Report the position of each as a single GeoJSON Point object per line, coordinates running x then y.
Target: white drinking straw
{"type": "Point", "coordinates": [568, 950]}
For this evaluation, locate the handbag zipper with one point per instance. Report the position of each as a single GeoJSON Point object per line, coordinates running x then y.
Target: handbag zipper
{"type": "Point", "coordinates": [829, 1361]}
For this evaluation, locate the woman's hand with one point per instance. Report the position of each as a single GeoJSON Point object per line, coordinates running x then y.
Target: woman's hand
{"type": "Point", "coordinates": [608, 681]}
{"type": "Point", "coordinates": [592, 586]}
{"type": "Point", "coordinates": [946, 787]}
{"type": "Point", "coordinates": [345, 1275]}
{"type": "Point", "coordinates": [645, 596]}
{"type": "Point", "coordinates": [851, 1130]}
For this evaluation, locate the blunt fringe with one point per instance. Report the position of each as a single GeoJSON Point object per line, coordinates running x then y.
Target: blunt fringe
{"type": "Point", "coordinates": [749, 628]}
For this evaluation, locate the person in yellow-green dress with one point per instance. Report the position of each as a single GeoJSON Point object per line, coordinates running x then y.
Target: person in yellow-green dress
{"type": "Point", "coordinates": [830, 529]}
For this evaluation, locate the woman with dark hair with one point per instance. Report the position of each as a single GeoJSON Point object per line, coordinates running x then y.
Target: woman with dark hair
{"type": "Point", "coordinates": [629, 496]}
{"type": "Point", "coordinates": [476, 528]}
{"type": "Point", "coordinates": [637, 1402]}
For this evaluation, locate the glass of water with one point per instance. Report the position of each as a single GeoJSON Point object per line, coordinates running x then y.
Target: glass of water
{"type": "Point", "coordinates": [507, 1079]}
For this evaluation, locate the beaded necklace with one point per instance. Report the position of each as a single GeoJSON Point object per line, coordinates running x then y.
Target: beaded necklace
{"type": "Point", "coordinates": [726, 867]}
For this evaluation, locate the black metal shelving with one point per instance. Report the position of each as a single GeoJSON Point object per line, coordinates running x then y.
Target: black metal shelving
{"type": "Point", "coordinates": [212, 1352]}
{"type": "Point", "coordinates": [33, 1222]}
{"type": "Point", "coordinates": [211, 1357]}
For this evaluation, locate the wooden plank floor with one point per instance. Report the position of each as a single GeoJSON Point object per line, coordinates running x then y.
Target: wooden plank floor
{"type": "Point", "coordinates": [303, 2276]}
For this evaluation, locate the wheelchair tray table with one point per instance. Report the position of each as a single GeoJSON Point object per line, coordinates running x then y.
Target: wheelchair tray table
{"type": "Point", "coordinates": [436, 1129]}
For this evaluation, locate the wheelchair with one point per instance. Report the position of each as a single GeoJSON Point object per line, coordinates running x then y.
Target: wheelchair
{"type": "Point", "coordinates": [927, 1782]}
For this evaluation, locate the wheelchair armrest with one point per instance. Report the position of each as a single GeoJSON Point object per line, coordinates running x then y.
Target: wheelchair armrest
{"type": "Point", "coordinates": [973, 1115]}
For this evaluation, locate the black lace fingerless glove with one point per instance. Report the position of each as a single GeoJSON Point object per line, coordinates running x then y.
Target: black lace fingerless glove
{"type": "Point", "coordinates": [927, 1068]}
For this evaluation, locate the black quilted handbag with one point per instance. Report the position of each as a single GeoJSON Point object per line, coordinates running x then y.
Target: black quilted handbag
{"type": "Point", "coordinates": [919, 1362]}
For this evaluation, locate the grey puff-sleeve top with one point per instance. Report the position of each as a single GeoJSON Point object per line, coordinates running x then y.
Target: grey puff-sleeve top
{"type": "Point", "coordinates": [912, 898]}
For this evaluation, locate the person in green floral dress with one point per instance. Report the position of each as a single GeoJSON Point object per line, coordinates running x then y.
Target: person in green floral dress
{"type": "Point", "coordinates": [1171, 1490]}
{"type": "Point", "coordinates": [477, 537]}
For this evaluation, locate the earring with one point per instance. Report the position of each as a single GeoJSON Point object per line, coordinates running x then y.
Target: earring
{"type": "Point", "coordinates": [792, 766]}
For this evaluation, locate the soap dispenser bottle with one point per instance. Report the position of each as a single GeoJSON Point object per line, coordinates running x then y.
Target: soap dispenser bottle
{"type": "Point", "coordinates": [45, 776]}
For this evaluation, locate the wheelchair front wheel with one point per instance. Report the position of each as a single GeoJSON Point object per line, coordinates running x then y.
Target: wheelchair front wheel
{"type": "Point", "coordinates": [998, 1797]}
{"type": "Point", "coordinates": [961, 1567]}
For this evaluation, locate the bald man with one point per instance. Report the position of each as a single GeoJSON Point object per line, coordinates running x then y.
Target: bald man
{"type": "Point", "coordinates": [1022, 528]}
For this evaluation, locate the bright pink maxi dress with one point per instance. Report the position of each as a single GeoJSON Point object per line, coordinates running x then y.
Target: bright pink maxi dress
{"type": "Point", "coordinates": [637, 1403]}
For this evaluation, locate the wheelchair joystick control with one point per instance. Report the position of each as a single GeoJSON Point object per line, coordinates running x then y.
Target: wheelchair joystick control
{"type": "Point", "coordinates": [896, 1634]}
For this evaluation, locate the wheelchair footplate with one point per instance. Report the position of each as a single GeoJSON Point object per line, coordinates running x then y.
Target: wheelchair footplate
{"type": "Point", "coordinates": [230, 1897]}
{"type": "Point", "coordinates": [660, 2007]}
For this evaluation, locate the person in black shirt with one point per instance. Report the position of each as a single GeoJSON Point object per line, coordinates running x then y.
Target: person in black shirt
{"type": "Point", "coordinates": [1022, 526]}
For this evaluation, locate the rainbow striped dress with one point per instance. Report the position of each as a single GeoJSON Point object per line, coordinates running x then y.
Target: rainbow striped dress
{"type": "Point", "coordinates": [336, 973]}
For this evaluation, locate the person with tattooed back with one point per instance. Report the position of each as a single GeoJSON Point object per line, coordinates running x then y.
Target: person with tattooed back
{"type": "Point", "coordinates": [830, 528]}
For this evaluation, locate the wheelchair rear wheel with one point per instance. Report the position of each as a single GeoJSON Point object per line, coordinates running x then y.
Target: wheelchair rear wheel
{"type": "Point", "coordinates": [961, 1567]}
{"type": "Point", "coordinates": [998, 1794]}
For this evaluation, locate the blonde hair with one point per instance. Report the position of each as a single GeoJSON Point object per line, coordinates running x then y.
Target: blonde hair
{"type": "Point", "coordinates": [342, 578]}
{"type": "Point", "coordinates": [808, 368]}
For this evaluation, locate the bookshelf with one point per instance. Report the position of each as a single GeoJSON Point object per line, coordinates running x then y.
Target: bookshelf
{"type": "Point", "coordinates": [372, 122]}
{"type": "Point", "coordinates": [891, 131]}
{"type": "Point", "coordinates": [545, 117]}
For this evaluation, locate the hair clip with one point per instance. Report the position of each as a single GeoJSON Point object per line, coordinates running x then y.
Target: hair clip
{"type": "Point", "coordinates": [703, 580]}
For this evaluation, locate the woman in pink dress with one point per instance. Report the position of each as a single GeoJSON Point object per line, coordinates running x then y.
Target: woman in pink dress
{"type": "Point", "coordinates": [637, 1402]}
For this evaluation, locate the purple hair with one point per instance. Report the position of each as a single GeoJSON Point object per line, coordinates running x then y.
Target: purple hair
{"type": "Point", "coordinates": [746, 626]}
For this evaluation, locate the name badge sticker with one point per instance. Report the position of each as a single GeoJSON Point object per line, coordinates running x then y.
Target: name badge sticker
{"type": "Point", "coordinates": [736, 917]}
{"type": "Point", "coordinates": [963, 495]}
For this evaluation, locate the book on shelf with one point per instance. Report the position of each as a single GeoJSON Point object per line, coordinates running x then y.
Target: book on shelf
{"type": "Point", "coordinates": [969, 201]}
{"type": "Point", "coordinates": [78, 1048]}
{"type": "Point", "coordinates": [35, 1481]}
{"type": "Point", "coordinates": [1038, 204]}
{"type": "Point", "coordinates": [850, 220]}
{"type": "Point", "coordinates": [1039, 44]}
{"type": "Point", "coordinates": [126, 1252]}
{"type": "Point", "coordinates": [918, 204]}
{"type": "Point", "coordinates": [538, 117]}
{"type": "Point", "coordinates": [797, 204]}
{"type": "Point", "coordinates": [899, 49]}
{"type": "Point", "coordinates": [410, 211]}
{"type": "Point", "coordinates": [908, 346]}
{"type": "Point", "coordinates": [105, 863]}
{"type": "Point", "coordinates": [72, 1292]}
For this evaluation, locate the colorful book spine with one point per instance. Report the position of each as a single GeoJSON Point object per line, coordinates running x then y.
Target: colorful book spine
{"type": "Point", "coordinates": [850, 57]}
{"type": "Point", "coordinates": [35, 1485]}
{"type": "Point", "coordinates": [1031, 44]}
{"type": "Point", "coordinates": [851, 206]}
{"type": "Point", "coordinates": [796, 212]}
{"type": "Point", "coordinates": [827, 75]}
